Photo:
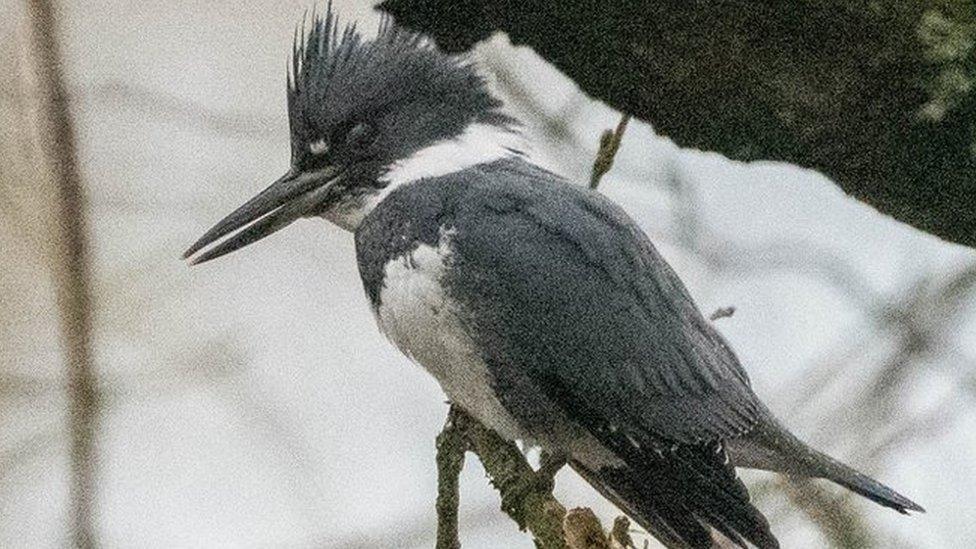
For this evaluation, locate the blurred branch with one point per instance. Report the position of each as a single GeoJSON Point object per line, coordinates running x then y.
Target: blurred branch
{"type": "Point", "coordinates": [835, 515]}
{"type": "Point", "coordinates": [927, 425]}
{"type": "Point", "coordinates": [258, 415]}
{"type": "Point", "coordinates": [919, 322]}
{"type": "Point", "coordinates": [18, 385]}
{"type": "Point", "coordinates": [56, 148]}
{"type": "Point", "coordinates": [555, 126]}
{"type": "Point", "coordinates": [724, 255]}
{"type": "Point", "coordinates": [734, 258]}
{"type": "Point", "coordinates": [17, 223]}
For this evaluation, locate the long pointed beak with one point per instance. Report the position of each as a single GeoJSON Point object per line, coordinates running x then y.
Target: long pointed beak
{"type": "Point", "coordinates": [290, 197]}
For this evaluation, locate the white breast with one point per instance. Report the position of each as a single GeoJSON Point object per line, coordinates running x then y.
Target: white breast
{"type": "Point", "coordinates": [419, 317]}
{"type": "Point", "coordinates": [416, 314]}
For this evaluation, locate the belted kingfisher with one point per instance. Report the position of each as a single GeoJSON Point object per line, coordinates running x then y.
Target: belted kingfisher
{"type": "Point", "coordinates": [538, 305]}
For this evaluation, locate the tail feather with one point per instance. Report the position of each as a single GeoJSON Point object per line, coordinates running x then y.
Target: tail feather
{"type": "Point", "coordinates": [773, 448]}
{"type": "Point", "coordinates": [683, 494]}
{"type": "Point", "coordinates": [675, 530]}
{"type": "Point", "coordinates": [859, 483]}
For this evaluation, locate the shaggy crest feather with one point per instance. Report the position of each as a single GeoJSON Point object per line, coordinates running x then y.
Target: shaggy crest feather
{"type": "Point", "coordinates": [335, 76]}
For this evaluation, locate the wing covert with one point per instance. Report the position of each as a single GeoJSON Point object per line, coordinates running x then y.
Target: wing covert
{"type": "Point", "coordinates": [561, 284]}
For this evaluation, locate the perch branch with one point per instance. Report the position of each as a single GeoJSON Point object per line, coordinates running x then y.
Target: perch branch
{"type": "Point", "coordinates": [451, 447]}
{"type": "Point", "coordinates": [526, 498]}
{"type": "Point", "coordinates": [526, 494]}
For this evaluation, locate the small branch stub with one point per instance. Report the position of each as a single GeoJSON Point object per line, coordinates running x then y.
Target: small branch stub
{"type": "Point", "coordinates": [722, 312]}
{"type": "Point", "coordinates": [583, 530]}
{"type": "Point", "coordinates": [620, 534]}
{"type": "Point", "coordinates": [609, 145]}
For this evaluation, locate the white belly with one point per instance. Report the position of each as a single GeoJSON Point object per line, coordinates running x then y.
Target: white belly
{"type": "Point", "coordinates": [417, 316]}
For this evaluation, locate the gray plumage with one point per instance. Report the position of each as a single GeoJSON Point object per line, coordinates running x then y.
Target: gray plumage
{"type": "Point", "coordinates": [574, 309]}
{"type": "Point", "coordinates": [561, 282]}
{"type": "Point", "coordinates": [540, 307]}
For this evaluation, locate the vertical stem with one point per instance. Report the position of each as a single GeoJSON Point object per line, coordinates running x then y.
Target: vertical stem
{"type": "Point", "coordinates": [451, 446]}
{"type": "Point", "coordinates": [609, 144]}
{"type": "Point", "coordinates": [58, 156]}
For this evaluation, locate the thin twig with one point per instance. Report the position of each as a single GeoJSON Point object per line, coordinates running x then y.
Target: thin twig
{"type": "Point", "coordinates": [56, 148]}
{"type": "Point", "coordinates": [722, 312]}
{"type": "Point", "coordinates": [609, 145]}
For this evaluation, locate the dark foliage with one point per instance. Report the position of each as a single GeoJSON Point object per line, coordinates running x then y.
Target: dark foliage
{"type": "Point", "coordinates": [879, 96]}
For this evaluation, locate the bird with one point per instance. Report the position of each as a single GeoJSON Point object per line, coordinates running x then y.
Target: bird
{"type": "Point", "coordinates": [539, 305]}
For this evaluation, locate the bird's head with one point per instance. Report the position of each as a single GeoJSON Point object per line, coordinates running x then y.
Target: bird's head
{"type": "Point", "coordinates": [365, 117]}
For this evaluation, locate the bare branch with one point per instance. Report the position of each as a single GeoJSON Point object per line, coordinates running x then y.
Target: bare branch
{"type": "Point", "coordinates": [29, 451]}
{"type": "Point", "coordinates": [186, 113]}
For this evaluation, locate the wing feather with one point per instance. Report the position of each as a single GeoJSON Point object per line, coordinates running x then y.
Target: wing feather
{"type": "Point", "coordinates": [562, 284]}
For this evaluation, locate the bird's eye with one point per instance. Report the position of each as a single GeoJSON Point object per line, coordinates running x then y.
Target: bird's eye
{"type": "Point", "coordinates": [359, 135]}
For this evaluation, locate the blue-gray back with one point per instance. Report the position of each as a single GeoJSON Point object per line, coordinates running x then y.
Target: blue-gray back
{"type": "Point", "coordinates": [559, 285]}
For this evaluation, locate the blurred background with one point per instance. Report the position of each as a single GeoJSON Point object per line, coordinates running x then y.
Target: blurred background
{"type": "Point", "coordinates": [251, 402]}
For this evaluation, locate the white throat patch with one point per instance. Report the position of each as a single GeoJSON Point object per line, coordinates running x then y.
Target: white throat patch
{"type": "Point", "coordinates": [478, 144]}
